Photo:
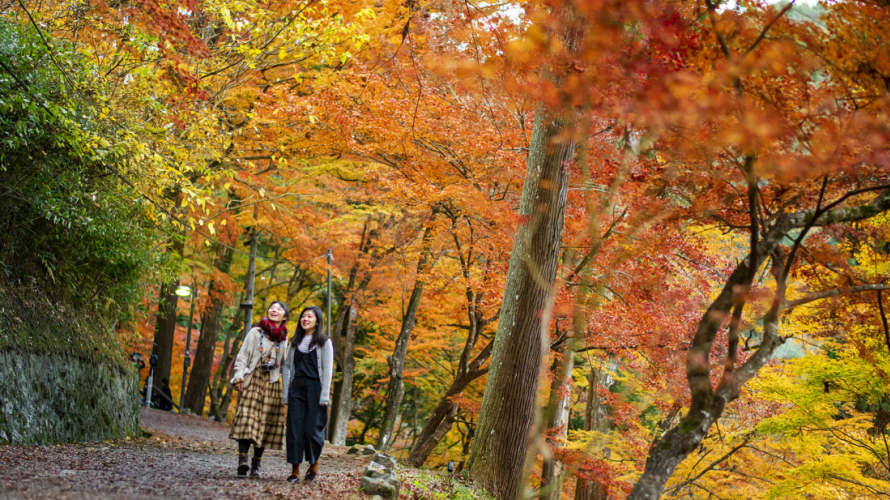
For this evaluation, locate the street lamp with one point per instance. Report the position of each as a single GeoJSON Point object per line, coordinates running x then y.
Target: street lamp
{"type": "Point", "coordinates": [184, 291]}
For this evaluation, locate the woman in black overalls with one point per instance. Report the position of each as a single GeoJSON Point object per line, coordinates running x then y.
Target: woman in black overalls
{"type": "Point", "coordinates": [308, 370]}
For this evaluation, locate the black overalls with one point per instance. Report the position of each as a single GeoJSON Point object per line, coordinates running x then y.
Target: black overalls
{"type": "Point", "coordinates": [306, 420]}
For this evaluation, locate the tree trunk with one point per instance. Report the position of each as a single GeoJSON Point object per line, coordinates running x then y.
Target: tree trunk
{"type": "Point", "coordinates": [443, 416]}
{"type": "Point", "coordinates": [222, 370]}
{"type": "Point", "coordinates": [340, 420]}
{"type": "Point", "coordinates": [437, 425]}
{"type": "Point", "coordinates": [508, 406]}
{"type": "Point", "coordinates": [165, 327]}
{"type": "Point", "coordinates": [559, 408]}
{"type": "Point", "coordinates": [223, 388]}
{"type": "Point", "coordinates": [595, 419]}
{"type": "Point", "coordinates": [440, 421]}
{"type": "Point", "coordinates": [707, 403]}
{"type": "Point", "coordinates": [396, 387]}
{"type": "Point", "coordinates": [343, 338]}
{"type": "Point", "coordinates": [196, 394]}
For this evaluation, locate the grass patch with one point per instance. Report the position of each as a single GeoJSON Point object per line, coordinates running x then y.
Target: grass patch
{"type": "Point", "coordinates": [429, 485]}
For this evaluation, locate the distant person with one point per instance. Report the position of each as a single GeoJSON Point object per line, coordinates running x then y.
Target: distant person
{"type": "Point", "coordinates": [308, 370]}
{"type": "Point", "coordinates": [259, 418]}
{"type": "Point", "coordinates": [165, 403]}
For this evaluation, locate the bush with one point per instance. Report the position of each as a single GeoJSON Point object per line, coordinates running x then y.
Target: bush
{"type": "Point", "coordinates": [72, 226]}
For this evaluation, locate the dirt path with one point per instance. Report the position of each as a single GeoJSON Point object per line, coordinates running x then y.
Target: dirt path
{"type": "Point", "coordinates": [185, 458]}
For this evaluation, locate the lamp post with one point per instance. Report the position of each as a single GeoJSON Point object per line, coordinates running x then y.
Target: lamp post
{"type": "Point", "coordinates": [185, 291]}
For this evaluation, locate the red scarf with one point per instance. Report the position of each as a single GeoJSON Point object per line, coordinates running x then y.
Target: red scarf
{"type": "Point", "coordinates": [275, 333]}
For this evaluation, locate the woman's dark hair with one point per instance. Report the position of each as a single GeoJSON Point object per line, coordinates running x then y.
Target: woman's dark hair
{"type": "Point", "coordinates": [318, 336]}
{"type": "Point", "coordinates": [283, 306]}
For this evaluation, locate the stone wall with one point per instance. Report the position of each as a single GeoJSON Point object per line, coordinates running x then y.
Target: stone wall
{"type": "Point", "coordinates": [46, 399]}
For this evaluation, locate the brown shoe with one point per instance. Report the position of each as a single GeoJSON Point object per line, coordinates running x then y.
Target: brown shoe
{"type": "Point", "coordinates": [255, 467]}
{"type": "Point", "coordinates": [242, 464]}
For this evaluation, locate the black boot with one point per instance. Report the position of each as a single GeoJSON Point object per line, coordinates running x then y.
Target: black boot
{"type": "Point", "coordinates": [242, 464]}
{"type": "Point", "coordinates": [255, 467]}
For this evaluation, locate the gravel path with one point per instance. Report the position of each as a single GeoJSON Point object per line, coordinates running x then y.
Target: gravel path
{"type": "Point", "coordinates": [186, 457]}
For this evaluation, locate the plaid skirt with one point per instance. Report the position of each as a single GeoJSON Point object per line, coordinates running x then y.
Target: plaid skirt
{"type": "Point", "coordinates": [260, 416]}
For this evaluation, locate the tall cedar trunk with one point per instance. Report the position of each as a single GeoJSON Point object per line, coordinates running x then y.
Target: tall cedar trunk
{"type": "Point", "coordinates": [595, 419]}
{"type": "Point", "coordinates": [196, 393]}
{"type": "Point", "coordinates": [396, 361]}
{"type": "Point", "coordinates": [343, 400]}
{"type": "Point", "coordinates": [559, 408]}
{"type": "Point", "coordinates": [165, 327]}
{"type": "Point", "coordinates": [508, 406]}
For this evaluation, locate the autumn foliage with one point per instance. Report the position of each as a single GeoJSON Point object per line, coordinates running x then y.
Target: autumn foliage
{"type": "Point", "coordinates": [713, 322]}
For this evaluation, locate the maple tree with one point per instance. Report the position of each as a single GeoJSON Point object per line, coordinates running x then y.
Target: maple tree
{"type": "Point", "coordinates": [685, 185]}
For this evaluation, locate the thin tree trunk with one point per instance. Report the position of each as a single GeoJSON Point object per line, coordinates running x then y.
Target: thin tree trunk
{"type": "Point", "coordinates": [443, 416]}
{"type": "Point", "coordinates": [707, 403]}
{"type": "Point", "coordinates": [196, 394]}
{"type": "Point", "coordinates": [222, 370]}
{"type": "Point", "coordinates": [165, 327]}
{"type": "Point", "coordinates": [344, 338]}
{"type": "Point", "coordinates": [344, 399]}
{"type": "Point", "coordinates": [396, 387]}
{"type": "Point", "coordinates": [596, 418]}
{"type": "Point", "coordinates": [508, 406]}
{"type": "Point", "coordinates": [558, 420]}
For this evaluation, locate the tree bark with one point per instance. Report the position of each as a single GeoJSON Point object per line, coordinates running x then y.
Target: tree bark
{"type": "Point", "coordinates": [443, 416]}
{"type": "Point", "coordinates": [595, 419]}
{"type": "Point", "coordinates": [559, 408]}
{"type": "Point", "coordinates": [343, 336]}
{"type": "Point", "coordinates": [196, 393]}
{"type": "Point", "coordinates": [707, 404]}
{"type": "Point", "coordinates": [396, 387]}
{"type": "Point", "coordinates": [222, 371]}
{"type": "Point", "coordinates": [343, 400]}
{"type": "Point", "coordinates": [441, 419]}
{"type": "Point", "coordinates": [165, 326]}
{"type": "Point", "coordinates": [508, 406]}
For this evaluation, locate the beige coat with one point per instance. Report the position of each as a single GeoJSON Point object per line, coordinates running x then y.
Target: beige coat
{"type": "Point", "coordinates": [249, 358]}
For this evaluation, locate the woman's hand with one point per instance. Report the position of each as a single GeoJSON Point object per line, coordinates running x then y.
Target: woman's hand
{"type": "Point", "coordinates": [237, 386]}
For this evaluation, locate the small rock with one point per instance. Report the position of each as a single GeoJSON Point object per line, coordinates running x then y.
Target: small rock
{"type": "Point", "coordinates": [375, 467]}
{"type": "Point", "coordinates": [368, 450]}
{"type": "Point", "coordinates": [387, 461]}
{"type": "Point", "coordinates": [376, 497]}
{"type": "Point", "coordinates": [380, 483]}
{"type": "Point", "coordinates": [356, 448]}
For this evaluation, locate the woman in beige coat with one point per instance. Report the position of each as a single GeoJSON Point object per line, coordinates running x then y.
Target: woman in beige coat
{"type": "Point", "coordinates": [260, 415]}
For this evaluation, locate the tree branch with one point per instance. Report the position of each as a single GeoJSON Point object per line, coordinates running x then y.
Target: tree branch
{"type": "Point", "coordinates": [791, 304]}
